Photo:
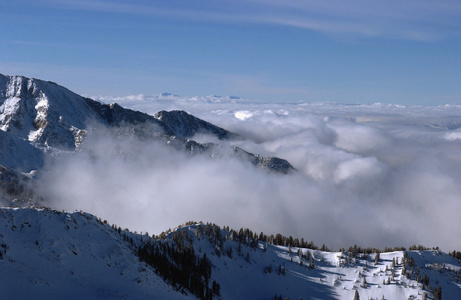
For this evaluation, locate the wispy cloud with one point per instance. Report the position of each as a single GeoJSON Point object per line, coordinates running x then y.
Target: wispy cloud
{"type": "Point", "coordinates": [44, 44]}
{"type": "Point", "coordinates": [411, 20]}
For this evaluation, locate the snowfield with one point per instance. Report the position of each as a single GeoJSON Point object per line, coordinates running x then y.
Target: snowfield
{"type": "Point", "coordinates": [56, 255]}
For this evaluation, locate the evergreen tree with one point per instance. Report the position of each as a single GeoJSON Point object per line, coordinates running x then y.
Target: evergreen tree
{"type": "Point", "coordinates": [365, 283]}
{"type": "Point", "coordinates": [311, 263]}
{"type": "Point", "coordinates": [216, 288]}
{"type": "Point", "coordinates": [229, 252]}
{"type": "Point", "coordinates": [356, 295]}
{"type": "Point", "coordinates": [377, 257]}
{"type": "Point", "coordinates": [438, 293]}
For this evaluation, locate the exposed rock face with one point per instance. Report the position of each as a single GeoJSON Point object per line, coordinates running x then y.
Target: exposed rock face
{"type": "Point", "coordinates": [173, 123]}
{"type": "Point", "coordinates": [273, 164]}
{"type": "Point", "coordinates": [115, 115]}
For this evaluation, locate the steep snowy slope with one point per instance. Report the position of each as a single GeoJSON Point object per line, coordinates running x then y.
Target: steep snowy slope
{"type": "Point", "coordinates": [47, 254]}
{"type": "Point", "coordinates": [52, 255]}
{"type": "Point", "coordinates": [42, 112]}
{"type": "Point", "coordinates": [250, 269]}
{"type": "Point", "coordinates": [18, 153]}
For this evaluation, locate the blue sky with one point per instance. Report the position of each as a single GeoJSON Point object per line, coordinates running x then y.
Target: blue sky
{"type": "Point", "coordinates": [405, 52]}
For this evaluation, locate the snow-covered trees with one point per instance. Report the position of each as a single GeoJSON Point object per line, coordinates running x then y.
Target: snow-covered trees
{"type": "Point", "coordinates": [376, 257]}
{"type": "Point", "coordinates": [364, 283]}
{"type": "Point", "coordinates": [311, 263]}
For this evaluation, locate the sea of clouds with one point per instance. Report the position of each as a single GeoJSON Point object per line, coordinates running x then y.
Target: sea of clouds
{"type": "Point", "coordinates": [373, 175]}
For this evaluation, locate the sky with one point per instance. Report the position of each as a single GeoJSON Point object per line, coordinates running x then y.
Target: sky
{"type": "Point", "coordinates": [403, 52]}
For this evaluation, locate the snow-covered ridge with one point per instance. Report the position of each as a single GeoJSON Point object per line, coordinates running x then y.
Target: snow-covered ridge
{"type": "Point", "coordinates": [56, 255]}
{"type": "Point", "coordinates": [51, 254]}
{"type": "Point", "coordinates": [309, 273]}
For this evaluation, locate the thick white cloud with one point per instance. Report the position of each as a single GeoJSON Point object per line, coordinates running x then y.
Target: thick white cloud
{"type": "Point", "coordinates": [357, 167]}
{"type": "Point", "coordinates": [452, 136]}
{"type": "Point", "coordinates": [243, 115]}
{"type": "Point", "coordinates": [376, 175]}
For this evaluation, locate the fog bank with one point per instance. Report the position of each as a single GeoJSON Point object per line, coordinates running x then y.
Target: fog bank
{"type": "Point", "coordinates": [375, 175]}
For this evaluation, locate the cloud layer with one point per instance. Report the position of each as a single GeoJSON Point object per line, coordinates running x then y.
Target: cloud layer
{"type": "Point", "coordinates": [378, 175]}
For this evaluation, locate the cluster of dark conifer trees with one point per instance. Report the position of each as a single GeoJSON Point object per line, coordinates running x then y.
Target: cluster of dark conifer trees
{"type": "Point", "coordinates": [456, 254]}
{"type": "Point", "coordinates": [177, 263]}
{"type": "Point", "coordinates": [3, 248]}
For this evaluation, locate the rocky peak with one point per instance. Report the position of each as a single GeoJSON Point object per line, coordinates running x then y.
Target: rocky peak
{"type": "Point", "coordinates": [115, 115]}
{"type": "Point", "coordinates": [42, 112]}
{"type": "Point", "coordinates": [182, 124]}
{"type": "Point", "coordinates": [270, 163]}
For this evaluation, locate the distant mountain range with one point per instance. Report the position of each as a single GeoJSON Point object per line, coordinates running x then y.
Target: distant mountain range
{"type": "Point", "coordinates": [40, 118]}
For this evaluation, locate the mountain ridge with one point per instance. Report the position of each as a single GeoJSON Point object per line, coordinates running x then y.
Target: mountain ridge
{"type": "Point", "coordinates": [40, 120]}
{"type": "Point", "coordinates": [52, 117]}
{"type": "Point", "coordinates": [57, 253]}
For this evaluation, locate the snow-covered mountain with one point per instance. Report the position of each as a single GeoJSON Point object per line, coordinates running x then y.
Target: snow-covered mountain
{"type": "Point", "coordinates": [54, 255]}
{"type": "Point", "coordinates": [40, 118]}
{"type": "Point", "coordinates": [42, 112]}
{"type": "Point", "coordinates": [50, 116]}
